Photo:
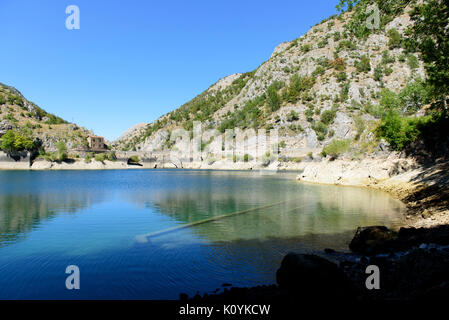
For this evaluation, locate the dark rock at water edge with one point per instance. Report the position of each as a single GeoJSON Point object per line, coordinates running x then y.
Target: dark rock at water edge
{"type": "Point", "coordinates": [312, 277]}
{"type": "Point", "coordinates": [378, 239]}
{"type": "Point", "coordinates": [369, 240]}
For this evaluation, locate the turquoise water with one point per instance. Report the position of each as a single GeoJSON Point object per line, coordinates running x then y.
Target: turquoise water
{"type": "Point", "coordinates": [101, 221]}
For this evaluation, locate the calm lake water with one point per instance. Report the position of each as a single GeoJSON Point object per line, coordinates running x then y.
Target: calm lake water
{"type": "Point", "coordinates": [100, 221]}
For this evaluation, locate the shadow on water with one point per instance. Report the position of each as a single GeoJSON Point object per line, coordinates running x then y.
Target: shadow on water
{"type": "Point", "coordinates": [160, 269]}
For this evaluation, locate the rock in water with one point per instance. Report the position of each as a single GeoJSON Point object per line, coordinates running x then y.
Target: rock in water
{"type": "Point", "coordinates": [310, 277]}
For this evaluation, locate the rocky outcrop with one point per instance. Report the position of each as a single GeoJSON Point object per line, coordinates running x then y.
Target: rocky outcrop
{"type": "Point", "coordinates": [366, 172]}
{"type": "Point", "coordinates": [5, 126]}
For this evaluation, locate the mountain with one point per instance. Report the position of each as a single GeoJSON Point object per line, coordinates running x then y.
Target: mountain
{"type": "Point", "coordinates": [326, 92]}
{"type": "Point", "coordinates": [23, 116]}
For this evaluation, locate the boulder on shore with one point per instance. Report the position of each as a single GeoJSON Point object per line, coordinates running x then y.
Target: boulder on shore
{"type": "Point", "coordinates": [370, 240]}
{"type": "Point", "coordinates": [312, 278]}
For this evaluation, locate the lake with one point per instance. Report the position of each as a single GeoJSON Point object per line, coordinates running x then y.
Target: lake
{"type": "Point", "coordinates": [108, 224]}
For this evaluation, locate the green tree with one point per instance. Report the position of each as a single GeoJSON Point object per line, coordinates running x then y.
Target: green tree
{"type": "Point", "coordinates": [431, 20]}
{"type": "Point", "coordinates": [346, 5]}
{"type": "Point", "coordinates": [398, 131]}
{"type": "Point", "coordinates": [62, 150]}
{"type": "Point", "coordinates": [14, 141]}
{"type": "Point", "coordinates": [389, 100]}
{"type": "Point", "coordinates": [23, 143]}
{"type": "Point", "coordinates": [413, 97]}
{"type": "Point", "coordinates": [273, 99]}
{"type": "Point", "coordinates": [8, 141]}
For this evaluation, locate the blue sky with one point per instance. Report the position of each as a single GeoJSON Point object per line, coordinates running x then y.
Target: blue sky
{"type": "Point", "coordinates": [133, 61]}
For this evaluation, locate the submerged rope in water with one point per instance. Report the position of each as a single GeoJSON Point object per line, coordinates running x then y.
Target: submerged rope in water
{"type": "Point", "coordinates": [144, 237]}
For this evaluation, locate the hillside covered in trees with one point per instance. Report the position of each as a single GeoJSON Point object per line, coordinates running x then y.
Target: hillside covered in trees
{"type": "Point", "coordinates": [351, 85]}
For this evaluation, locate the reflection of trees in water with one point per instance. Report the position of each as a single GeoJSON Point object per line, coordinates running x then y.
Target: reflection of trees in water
{"type": "Point", "coordinates": [189, 205]}
{"type": "Point", "coordinates": [308, 209]}
{"type": "Point", "coordinates": [20, 213]}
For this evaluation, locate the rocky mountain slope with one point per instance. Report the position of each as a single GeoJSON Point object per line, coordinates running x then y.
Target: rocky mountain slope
{"type": "Point", "coordinates": [30, 121]}
{"type": "Point", "coordinates": [330, 87]}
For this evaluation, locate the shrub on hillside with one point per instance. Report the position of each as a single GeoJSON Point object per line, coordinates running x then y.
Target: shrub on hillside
{"type": "Point", "coordinates": [412, 61]}
{"type": "Point", "coordinates": [273, 98]}
{"type": "Point", "coordinates": [395, 38]}
{"type": "Point", "coordinates": [342, 76]}
{"type": "Point", "coordinates": [336, 148]}
{"type": "Point", "coordinates": [398, 131]}
{"type": "Point", "coordinates": [100, 157]}
{"type": "Point", "coordinates": [344, 91]}
{"type": "Point", "coordinates": [298, 85]}
{"type": "Point", "coordinates": [321, 130]}
{"type": "Point", "coordinates": [364, 64]}
{"type": "Point", "coordinates": [306, 48]}
{"type": "Point", "coordinates": [62, 150]}
{"type": "Point", "coordinates": [338, 64]}
{"type": "Point", "coordinates": [134, 159]}
{"type": "Point", "coordinates": [346, 44]}
{"type": "Point", "coordinates": [292, 116]}
{"type": "Point", "coordinates": [319, 71]}
{"type": "Point", "coordinates": [378, 73]}
{"type": "Point", "coordinates": [88, 158]}
{"type": "Point", "coordinates": [328, 116]}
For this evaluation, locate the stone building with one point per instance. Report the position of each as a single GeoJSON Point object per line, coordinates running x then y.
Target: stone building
{"type": "Point", "coordinates": [96, 143]}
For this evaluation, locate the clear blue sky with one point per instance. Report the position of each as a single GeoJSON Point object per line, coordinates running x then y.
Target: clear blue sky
{"type": "Point", "coordinates": [133, 61]}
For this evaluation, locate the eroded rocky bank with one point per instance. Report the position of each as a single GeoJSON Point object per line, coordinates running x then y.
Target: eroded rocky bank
{"type": "Point", "coordinates": [423, 187]}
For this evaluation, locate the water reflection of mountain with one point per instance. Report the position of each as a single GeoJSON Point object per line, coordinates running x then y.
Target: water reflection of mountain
{"type": "Point", "coordinates": [20, 213]}
{"type": "Point", "coordinates": [307, 209]}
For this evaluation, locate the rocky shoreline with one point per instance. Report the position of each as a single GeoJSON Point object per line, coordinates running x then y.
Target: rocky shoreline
{"type": "Point", "coordinates": [412, 264]}
{"type": "Point", "coordinates": [421, 186]}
